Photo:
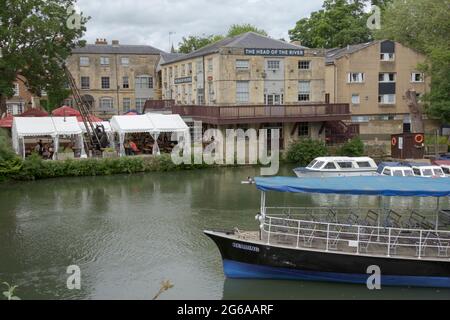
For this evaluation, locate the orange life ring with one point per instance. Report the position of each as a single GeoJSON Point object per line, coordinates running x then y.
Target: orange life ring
{"type": "Point", "coordinates": [418, 138]}
{"type": "Point", "coordinates": [394, 141]}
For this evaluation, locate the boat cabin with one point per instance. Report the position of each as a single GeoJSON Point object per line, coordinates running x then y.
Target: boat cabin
{"type": "Point", "coordinates": [342, 163]}
{"type": "Point", "coordinates": [394, 169]}
{"type": "Point", "coordinates": [427, 170]}
{"type": "Point", "coordinates": [445, 166]}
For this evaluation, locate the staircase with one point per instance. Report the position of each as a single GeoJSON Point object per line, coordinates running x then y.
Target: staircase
{"type": "Point", "coordinates": [338, 132]}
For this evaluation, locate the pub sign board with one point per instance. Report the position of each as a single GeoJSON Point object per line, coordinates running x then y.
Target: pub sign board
{"type": "Point", "coordinates": [275, 52]}
{"type": "Point", "coordinates": [182, 80]}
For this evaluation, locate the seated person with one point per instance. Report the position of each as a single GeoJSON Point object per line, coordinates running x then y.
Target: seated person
{"type": "Point", "coordinates": [134, 147]}
{"type": "Point", "coordinates": [46, 152]}
{"type": "Point", "coordinates": [128, 150]}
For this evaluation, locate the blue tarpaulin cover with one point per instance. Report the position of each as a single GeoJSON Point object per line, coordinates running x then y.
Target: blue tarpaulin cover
{"type": "Point", "coordinates": [369, 185]}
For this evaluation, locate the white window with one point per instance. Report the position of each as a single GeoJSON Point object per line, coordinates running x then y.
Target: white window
{"type": "Point", "coordinates": [199, 66]}
{"type": "Point", "coordinates": [210, 65]}
{"type": "Point", "coordinates": [355, 99]}
{"type": "Point", "coordinates": [140, 103]}
{"type": "Point", "coordinates": [144, 82]}
{"type": "Point", "coordinates": [176, 71]}
{"type": "Point", "coordinates": [355, 77]}
{"type": "Point", "coordinates": [386, 77]}
{"type": "Point", "coordinates": [16, 90]}
{"type": "Point", "coordinates": [387, 56]}
{"type": "Point", "coordinates": [84, 61]}
{"type": "Point", "coordinates": [125, 61]}
{"type": "Point", "coordinates": [106, 104]}
{"type": "Point", "coordinates": [304, 91]}
{"type": "Point", "coordinates": [273, 64]}
{"type": "Point", "coordinates": [104, 61]}
{"type": "Point", "coordinates": [417, 77]}
{"type": "Point", "coordinates": [14, 108]}
{"type": "Point", "coordinates": [386, 99]}
{"type": "Point", "coordinates": [242, 64]}
{"type": "Point", "coordinates": [304, 65]}
{"type": "Point", "coordinates": [242, 91]}
{"type": "Point", "coordinates": [126, 104]}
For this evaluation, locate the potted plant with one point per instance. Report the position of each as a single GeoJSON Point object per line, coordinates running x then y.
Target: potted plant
{"type": "Point", "coordinates": [109, 153]}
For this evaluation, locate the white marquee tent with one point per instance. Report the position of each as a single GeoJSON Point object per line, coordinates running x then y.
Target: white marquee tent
{"type": "Point", "coordinates": [54, 127]}
{"type": "Point", "coordinates": [150, 123]}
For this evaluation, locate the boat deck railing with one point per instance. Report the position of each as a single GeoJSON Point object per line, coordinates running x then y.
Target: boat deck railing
{"type": "Point", "coordinates": [367, 237]}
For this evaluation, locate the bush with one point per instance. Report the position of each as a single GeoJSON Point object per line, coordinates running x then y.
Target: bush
{"type": "Point", "coordinates": [10, 163]}
{"type": "Point", "coordinates": [353, 148]}
{"type": "Point", "coordinates": [430, 140]}
{"type": "Point", "coordinates": [304, 151]}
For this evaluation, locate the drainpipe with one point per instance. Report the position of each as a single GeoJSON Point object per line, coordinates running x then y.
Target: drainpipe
{"type": "Point", "coordinates": [117, 85]}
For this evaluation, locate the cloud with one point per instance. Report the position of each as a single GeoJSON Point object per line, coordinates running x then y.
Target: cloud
{"type": "Point", "coordinates": [150, 21]}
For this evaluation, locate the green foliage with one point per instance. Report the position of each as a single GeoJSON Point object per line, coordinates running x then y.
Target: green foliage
{"type": "Point", "coordinates": [338, 24]}
{"type": "Point", "coordinates": [430, 140]}
{"type": "Point", "coordinates": [193, 43]}
{"type": "Point", "coordinates": [10, 164]}
{"type": "Point", "coordinates": [353, 148]}
{"type": "Point", "coordinates": [304, 151]}
{"type": "Point", "coordinates": [424, 25]}
{"type": "Point", "coordinates": [9, 294]}
{"type": "Point", "coordinates": [35, 41]}
{"type": "Point", "coordinates": [237, 29]}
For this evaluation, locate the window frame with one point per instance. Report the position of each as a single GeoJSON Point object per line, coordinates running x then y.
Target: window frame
{"type": "Point", "coordinates": [84, 87]}
{"type": "Point", "coordinates": [102, 83]}
{"type": "Point", "coordinates": [302, 62]}
{"type": "Point", "coordinates": [84, 58]}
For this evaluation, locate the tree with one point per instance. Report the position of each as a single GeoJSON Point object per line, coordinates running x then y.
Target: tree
{"type": "Point", "coordinates": [193, 43]}
{"type": "Point", "coordinates": [237, 29]}
{"type": "Point", "coordinates": [424, 25]}
{"type": "Point", "coordinates": [338, 24]}
{"type": "Point", "coordinates": [36, 37]}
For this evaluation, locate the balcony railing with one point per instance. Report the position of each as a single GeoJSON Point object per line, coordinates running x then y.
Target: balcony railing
{"type": "Point", "coordinates": [264, 113]}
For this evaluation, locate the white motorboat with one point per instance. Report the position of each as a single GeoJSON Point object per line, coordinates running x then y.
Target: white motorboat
{"type": "Point", "coordinates": [338, 166]}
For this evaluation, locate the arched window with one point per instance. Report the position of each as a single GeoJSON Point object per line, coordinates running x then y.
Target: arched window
{"type": "Point", "coordinates": [144, 82]}
{"type": "Point", "coordinates": [106, 104]}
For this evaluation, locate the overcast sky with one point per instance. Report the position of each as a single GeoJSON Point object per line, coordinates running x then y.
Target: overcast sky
{"type": "Point", "coordinates": [150, 21]}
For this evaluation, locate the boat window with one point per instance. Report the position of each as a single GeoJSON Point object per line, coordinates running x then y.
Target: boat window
{"type": "Point", "coordinates": [438, 172]}
{"type": "Point", "coordinates": [427, 172]}
{"type": "Point", "coordinates": [409, 173]}
{"type": "Point", "coordinates": [387, 172]}
{"type": "Point", "coordinates": [330, 165]}
{"type": "Point", "coordinates": [398, 173]}
{"type": "Point", "coordinates": [446, 170]}
{"type": "Point", "coordinates": [364, 164]}
{"type": "Point", "coordinates": [318, 164]}
{"type": "Point", "coordinates": [312, 164]}
{"type": "Point", "coordinates": [417, 172]}
{"type": "Point", "coordinates": [345, 165]}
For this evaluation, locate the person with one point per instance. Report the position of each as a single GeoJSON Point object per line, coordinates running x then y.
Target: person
{"type": "Point", "coordinates": [134, 147]}
{"type": "Point", "coordinates": [51, 151]}
{"type": "Point", "coordinates": [127, 147]}
{"type": "Point", "coordinates": [45, 152]}
{"type": "Point", "coordinates": [41, 147]}
{"type": "Point", "coordinates": [37, 149]}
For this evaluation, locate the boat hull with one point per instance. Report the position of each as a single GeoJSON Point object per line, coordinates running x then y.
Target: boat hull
{"type": "Point", "coordinates": [252, 260]}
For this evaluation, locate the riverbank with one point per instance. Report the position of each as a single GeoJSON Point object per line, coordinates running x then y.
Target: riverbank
{"type": "Point", "coordinates": [34, 168]}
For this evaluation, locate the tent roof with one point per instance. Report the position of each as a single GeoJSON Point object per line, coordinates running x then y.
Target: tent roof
{"type": "Point", "coordinates": [34, 112]}
{"type": "Point", "coordinates": [375, 186]}
{"type": "Point", "coordinates": [132, 123]}
{"type": "Point", "coordinates": [65, 111]}
{"type": "Point", "coordinates": [168, 122]}
{"type": "Point", "coordinates": [7, 121]}
{"type": "Point", "coordinates": [45, 126]}
{"type": "Point", "coordinates": [106, 124]}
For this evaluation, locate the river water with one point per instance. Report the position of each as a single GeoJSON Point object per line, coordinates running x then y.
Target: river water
{"type": "Point", "coordinates": [128, 233]}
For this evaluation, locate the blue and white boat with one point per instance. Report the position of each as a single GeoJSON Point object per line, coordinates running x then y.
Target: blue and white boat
{"type": "Point", "coordinates": [337, 167]}
{"type": "Point", "coordinates": [426, 170]}
{"type": "Point", "coordinates": [408, 247]}
{"type": "Point", "coordinates": [395, 169]}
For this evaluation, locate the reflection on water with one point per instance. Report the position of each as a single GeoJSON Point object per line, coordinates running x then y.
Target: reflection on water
{"type": "Point", "coordinates": [128, 233]}
{"type": "Point", "coordinates": [304, 290]}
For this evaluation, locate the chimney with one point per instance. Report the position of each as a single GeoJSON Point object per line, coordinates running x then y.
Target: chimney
{"type": "Point", "coordinates": [115, 43]}
{"type": "Point", "coordinates": [101, 41]}
{"type": "Point", "coordinates": [296, 43]}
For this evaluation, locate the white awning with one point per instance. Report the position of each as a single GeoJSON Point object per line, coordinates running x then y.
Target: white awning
{"type": "Point", "coordinates": [105, 124]}
{"type": "Point", "coordinates": [168, 122]}
{"type": "Point", "coordinates": [132, 124]}
{"type": "Point", "coordinates": [66, 125]}
{"type": "Point", "coordinates": [33, 126]}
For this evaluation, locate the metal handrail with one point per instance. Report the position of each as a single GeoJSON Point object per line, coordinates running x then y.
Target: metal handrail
{"type": "Point", "coordinates": [327, 233]}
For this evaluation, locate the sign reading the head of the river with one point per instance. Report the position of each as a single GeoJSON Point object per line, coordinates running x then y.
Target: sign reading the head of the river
{"type": "Point", "coordinates": [183, 80]}
{"type": "Point", "coordinates": [274, 52]}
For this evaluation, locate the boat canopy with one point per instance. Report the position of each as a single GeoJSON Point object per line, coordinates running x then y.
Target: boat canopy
{"type": "Point", "coordinates": [360, 185]}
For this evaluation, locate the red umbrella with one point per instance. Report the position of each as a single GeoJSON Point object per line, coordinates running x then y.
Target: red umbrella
{"type": "Point", "coordinates": [34, 112]}
{"type": "Point", "coordinates": [91, 117]}
{"type": "Point", "coordinates": [65, 111]}
{"type": "Point", "coordinates": [7, 121]}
